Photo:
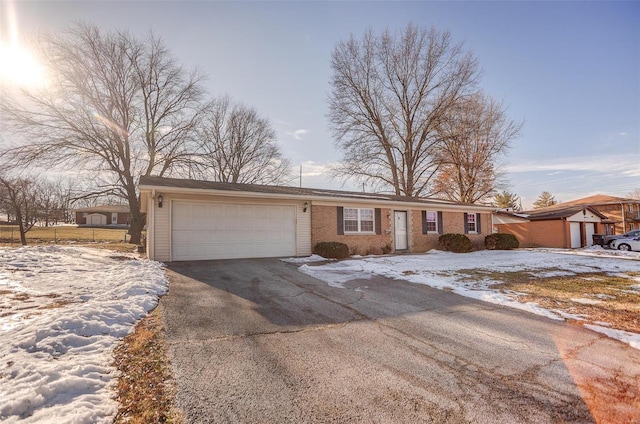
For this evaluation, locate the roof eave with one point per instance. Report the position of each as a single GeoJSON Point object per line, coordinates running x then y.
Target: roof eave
{"type": "Point", "coordinates": [306, 197]}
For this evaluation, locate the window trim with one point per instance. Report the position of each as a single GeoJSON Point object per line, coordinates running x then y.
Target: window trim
{"type": "Point", "coordinates": [435, 222]}
{"type": "Point", "coordinates": [475, 224]}
{"type": "Point", "coordinates": [359, 220]}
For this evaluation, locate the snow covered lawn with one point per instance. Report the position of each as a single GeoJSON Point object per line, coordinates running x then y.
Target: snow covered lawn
{"type": "Point", "coordinates": [482, 275]}
{"type": "Point", "coordinates": [62, 312]}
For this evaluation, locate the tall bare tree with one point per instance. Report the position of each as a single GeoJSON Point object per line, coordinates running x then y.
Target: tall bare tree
{"type": "Point", "coordinates": [474, 132]}
{"type": "Point", "coordinates": [21, 197]}
{"type": "Point", "coordinates": [116, 107]}
{"type": "Point", "coordinates": [545, 200]}
{"type": "Point", "coordinates": [635, 194]}
{"type": "Point", "coordinates": [389, 91]}
{"type": "Point", "coordinates": [239, 146]}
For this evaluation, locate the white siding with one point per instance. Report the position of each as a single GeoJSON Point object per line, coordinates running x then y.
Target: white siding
{"type": "Point", "coordinates": [303, 230]}
{"type": "Point", "coordinates": [162, 230]}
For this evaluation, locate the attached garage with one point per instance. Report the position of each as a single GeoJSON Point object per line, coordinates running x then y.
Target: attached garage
{"type": "Point", "coordinates": [208, 230]}
{"type": "Point", "coordinates": [200, 220]}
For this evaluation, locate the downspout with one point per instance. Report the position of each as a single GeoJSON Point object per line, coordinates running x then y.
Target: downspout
{"type": "Point", "coordinates": [624, 223]}
{"type": "Point", "coordinates": [564, 232]}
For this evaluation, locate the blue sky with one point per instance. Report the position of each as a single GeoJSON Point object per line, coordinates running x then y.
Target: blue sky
{"type": "Point", "coordinates": [569, 70]}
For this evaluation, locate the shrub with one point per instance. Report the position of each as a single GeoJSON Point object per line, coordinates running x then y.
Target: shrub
{"type": "Point", "coordinates": [458, 243]}
{"type": "Point", "coordinates": [331, 249]}
{"type": "Point", "coordinates": [501, 241]}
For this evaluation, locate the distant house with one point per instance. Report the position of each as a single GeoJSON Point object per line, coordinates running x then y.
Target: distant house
{"type": "Point", "coordinates": [621, 214]}
{"type": "Point", "coordinates": [104, 215]}
{"type": "Point", "coordinates": [566, 226]}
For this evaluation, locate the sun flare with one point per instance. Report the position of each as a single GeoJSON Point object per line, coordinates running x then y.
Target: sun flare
{"type": "Point", "coordinates": [19, 67]}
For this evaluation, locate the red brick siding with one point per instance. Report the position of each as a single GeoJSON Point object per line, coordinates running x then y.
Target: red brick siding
{"type": "Point", "coordinates": [324, 227]}
{"type": "Point", "coordinates": [452, 223]}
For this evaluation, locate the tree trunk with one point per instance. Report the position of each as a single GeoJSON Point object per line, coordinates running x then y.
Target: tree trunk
{"type": "Point", "coordinates": [23, 234]}
{"type": "Point", "coordinates": [136, 226]}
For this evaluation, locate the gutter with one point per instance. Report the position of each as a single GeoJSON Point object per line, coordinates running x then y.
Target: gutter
{"type": "Point", "coordinates": [319, 199]}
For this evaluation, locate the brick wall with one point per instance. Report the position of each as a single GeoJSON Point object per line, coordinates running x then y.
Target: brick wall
{"type": "Point", "coordinates": [553, 233]}
{"type": "Point", "coordinates": [324, 227]}
{"type": "Point", "coordinates": [452, 223]}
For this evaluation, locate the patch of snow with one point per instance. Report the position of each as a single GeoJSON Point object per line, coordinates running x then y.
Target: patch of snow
{"type": "Point", "coordinates": [446, 271]}
{"type": "Point", "coordinates": [585, 301]}
{"type": "Point", "coordinates": [306, 259]}
{"type": "Point", "coordinates": [632, 339]}
{"type": "Point", "coordinates": [567, 315]}
{"type": "Point", "coordinates": [67, 309]}
{"type": "Point", "coordinates": [339, 273]}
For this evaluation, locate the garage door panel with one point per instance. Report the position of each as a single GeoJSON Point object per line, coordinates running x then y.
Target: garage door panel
{"type": "Point", "coordinates": [226, 231]}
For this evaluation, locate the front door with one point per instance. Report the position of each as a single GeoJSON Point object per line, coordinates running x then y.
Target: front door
{"type": "Point", "coordinates": [400, 229]}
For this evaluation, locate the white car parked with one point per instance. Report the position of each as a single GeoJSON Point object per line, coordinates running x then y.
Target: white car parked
{"type": "Point", "coordinates": [627, 244]}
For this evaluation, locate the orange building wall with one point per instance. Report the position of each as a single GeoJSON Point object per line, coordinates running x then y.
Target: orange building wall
{"type": "Point", "coordinates": [554, 233]}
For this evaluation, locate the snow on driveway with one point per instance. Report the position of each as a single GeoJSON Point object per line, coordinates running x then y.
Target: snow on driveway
{"type": "Point", "coordinates": [62, 312]}
{"type": "Point", "coordinates": [439, 269]}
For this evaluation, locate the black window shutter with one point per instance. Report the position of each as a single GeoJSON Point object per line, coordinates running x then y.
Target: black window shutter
{"type": "Point", "coordinates": [378, 221]}
{"type": "Point", "coordinates": [424, 222]}
{"type": "Point", "coordinates": [439, 222]}
{"type": "Point", "coordinates": [466, 223]}
{"type": "Point", "coordinates": [340, 220]}
{"type": "Point", "coordinates": [478, 229]}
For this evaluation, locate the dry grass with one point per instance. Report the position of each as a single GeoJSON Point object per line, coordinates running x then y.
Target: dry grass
{"type": "Point", "coordinates": [145, 388]}
{"type": "Point", "coordinates": [613, 298]}
{"type": "Point", "coordinates": [63, 234]}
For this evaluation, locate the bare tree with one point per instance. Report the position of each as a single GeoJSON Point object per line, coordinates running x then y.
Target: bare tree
{"type": "Point", "coordinates": [21, 197]}
{"type": "Point", "coordinates": [239, 146]}
{"type": "Point", "coordinates": [389, 91]}
{"type": "Point", "coordinates": [474, 132]}
{"type": "Point", "coordinates": [116, 107]}
{"type": "Point", "coordinates": [545, 200]}
{"type": "Point", "coordinates": [507, 200]}
{"type": "Point", "coordinates": [635, 194]}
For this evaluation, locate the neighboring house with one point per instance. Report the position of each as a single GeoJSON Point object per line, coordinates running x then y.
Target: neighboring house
{"type": "Point", "coordinates": [566, 226]}
{"type": "Point", "coordinates": [621, 214]}
{"type": "Point", "coordinates": [103, 215]}
{"type": "Point", "coordinates": [198, 220]}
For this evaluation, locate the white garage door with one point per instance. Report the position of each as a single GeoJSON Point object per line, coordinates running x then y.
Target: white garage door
{"type": "Point", "coordinates": [591, 229]}
{"type": "Point", "coordinates": [202, 231]}
{"type": "Point", "coordinates": [96, 219]}
{"type": "Point", "coordinates": [576, 240]}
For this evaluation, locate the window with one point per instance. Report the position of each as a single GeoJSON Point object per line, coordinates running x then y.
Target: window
{"type": "Point", "coordinates": [432, 222]}
{"type": "Point", "coordinates": [358, 220]}
{"type": "Point", "coordinates": [84, 214]}
{"type": "Point", "coordinates": [114, 217]}
{"type": "Point", "coordinates": [471, 222]}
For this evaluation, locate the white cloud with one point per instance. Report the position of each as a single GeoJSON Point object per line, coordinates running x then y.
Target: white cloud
{"type": "Point", "coordinates": [297, 134]}
{"type": "Point", "coordinates": [628, 165]}
{"type": "Point", "coordinates": [623, 134]}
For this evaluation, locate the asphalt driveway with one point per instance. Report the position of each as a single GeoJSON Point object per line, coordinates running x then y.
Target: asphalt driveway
{"type": "Point", "coordinates": [257, 341]}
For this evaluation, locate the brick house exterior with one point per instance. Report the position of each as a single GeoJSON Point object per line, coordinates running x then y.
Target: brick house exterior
{"type": "Point", "coordinates": [103, 215]}
{"type": "Point", "coordinates": [194, 220]}
{"type": "Point", "coordinates": [559, 227]}
{"type": "Point", "coordinates": [325, 227]}
{"type": "Point", "coordinates": [621, 214]}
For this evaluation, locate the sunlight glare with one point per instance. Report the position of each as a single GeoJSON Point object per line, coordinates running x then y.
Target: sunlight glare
{"type": "Point", "coordinates": [19, 67]}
